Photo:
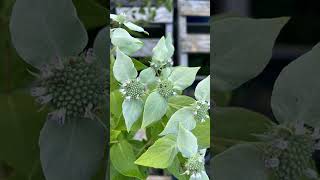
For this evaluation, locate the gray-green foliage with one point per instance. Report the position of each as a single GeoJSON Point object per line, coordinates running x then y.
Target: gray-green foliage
{"type": "Point", "coordinates": [69, 80]}
{"type": "Point", "coordinates": [153, 110]}
{"type": "Point", "coordinates": [254, 147]}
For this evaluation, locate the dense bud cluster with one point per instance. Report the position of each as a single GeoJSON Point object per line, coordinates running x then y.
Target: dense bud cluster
{"type": "Point", "coordinates": [201, 111]}
{"type": "Point", "coordinates": [289, 155]}
{"type": "Point", "coordinates": [133, 89]}
{"type": "Point", "coordinates": [165, 88]}
{"type": "Point", "coordinates": [73, 90]}
{"type": "Point", "coordinates": [195, 165]}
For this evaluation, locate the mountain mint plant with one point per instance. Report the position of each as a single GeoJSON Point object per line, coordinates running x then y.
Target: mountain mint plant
{"type": "Point", "coordinates": [153, 109]}
{"type": "Point", "coordinates": [261, 148]}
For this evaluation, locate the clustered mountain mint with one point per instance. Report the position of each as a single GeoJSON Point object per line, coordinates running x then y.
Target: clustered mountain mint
{"type": "Point", "coordinates": [147, 95]}
{"type": "Point", "coordinates": [74, 87]}
{"type": "Point", "coordinates": [288, 153]}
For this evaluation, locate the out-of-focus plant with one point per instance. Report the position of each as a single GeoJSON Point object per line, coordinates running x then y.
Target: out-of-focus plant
{"type": "Point", "coordinates": [240, 53]}
{"type": "Point", "coordinates": [285, 149]}
{"type": "Point", "coordinates": [70, 84]}
{"type": "Point", "coordinates": [152, 123]}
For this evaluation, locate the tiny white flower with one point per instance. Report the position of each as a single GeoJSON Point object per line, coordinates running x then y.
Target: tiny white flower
{"type": "Point", "coordinates": [174, 93]}
{"type": "Point", "coordinates": [207, 116]}
{"type": "Point", "coordinates": [58, 115]}
{"type": "Point", "coordinates": [58, 64]}
{"type": "Point", "coordinates": [202, 120]}
{"type": "Point", "coordinates": [140, 135]}
{"type": "Point", "coordinates": [38, 91]}
{"type": "Point", "coordinates": [195, 113]}
{"type": "Point", "coordinates": [44, 99]}
{"type": "Point", "coordinates": [88, 113]}
{"type": "Point", "coordinates": [310, 173]}
{"type": "Point", "coordinates": [198, 107]}
{"type": "Point", "coordinates": [128, 97]}
{"type": "Point", "coordinates": [281, 144]}
{"type": "Point", "coordinates": [272, 163]}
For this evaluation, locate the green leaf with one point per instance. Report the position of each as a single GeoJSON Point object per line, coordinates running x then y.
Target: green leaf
{"type": "Point", "coordinates": [178, 102]}
{"type": "Point", "coordinates": [202, 132]}
{"type": "Point", "coordinates": [183, 77]}
{"type": "Point", "coordinates": [92, 14]}
{"type": "Point", "coordinates": [115, 175]}
{"type": "Point", "coordinates": [221, 98]}
{"type": "Point", "coordinates": [122, 158]}
{"type": "Point", "coordinates": [202, 92]}
{"type": "Point", "coordinates": [134, 27]}
{"type": "Point", "coordinates": [138, 65]}
{"type": "Point", "coordinates": [234, 60]}
{"type": "Point", "coordinates": [72, 151]}
{"type": "Point", "coordinates": [238, 124]}
{"type": "Point", "coordinates": [19, 131]}
{"type": "Point", "coordinates": [114, 134]}
{"type": "Point", "coordinates": [101, 45]}
{"type": "Point", "coordinates": [124, 41]}
{"type": "Point", "coordinates": [177, 170]}
{"type": "Point", "coordinates": [183, 116]}
{"type": "Point", "coordinates": [241, 162]}
{"type": "Point", "coordinates": [154, 109]}
{"type": "Point", "coordinates": [161, 154]}
{"type": "Point", "coordinates": [160, 51]}
{"type": "Point", "coordinates": [40, 32]}
{"type": "Point", "coordinates": [148, 75]}
{"type": "Point", "coordinates": [186, 142]}
{"type": "Point", "coordinates": [12, 68]}
{"type": "Point", "coordinates": [123, 68]}
{"type": "Point", "coordinates": [132, 110]}
{"type": "Point", "coordinates": [296, 95]}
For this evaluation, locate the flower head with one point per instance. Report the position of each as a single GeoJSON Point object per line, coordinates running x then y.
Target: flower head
{"type": "Point", "coordinates": [71, 88]}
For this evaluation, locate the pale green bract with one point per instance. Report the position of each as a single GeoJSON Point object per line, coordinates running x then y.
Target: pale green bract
{"type": "Point", "coordinates": [183, 117]}
{"type": "Point", "coordinates": [122, 19]}
{"type": "Point", "coordinates": [187, 142]}
{"type": "Point", "coordinates": [183, 77]}
{"type": "Point", "coordinates": [202, 92]}
{"type": "Point", "coordinates": [123, 68]}
{"type": "Point", "coordinates": [124, 41]}
{"type": "Point", "coordinates": [155, 108]}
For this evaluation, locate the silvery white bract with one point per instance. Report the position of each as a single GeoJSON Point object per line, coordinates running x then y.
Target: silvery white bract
{"type": "Point", "coordinates": [162, 53]}
{"type": "Point", "coordinates": [122, 19]}
{"type": "Point", "coordinates": [188, 116]}
{"type": "Point", "coordinates": [124, 41]}
{"type": "Point", "coordinates": [132, 87]}
{"type": "Point", "coordinates": [157, 102]}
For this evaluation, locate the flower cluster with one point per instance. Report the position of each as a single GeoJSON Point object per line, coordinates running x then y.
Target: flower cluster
{"type": "Point", "coordinates": [201, 111]}
{"type": "Point", "coordinates": [195, 166]}
{"type": "Point", "coordinates": [74, 87]}
{"type": "Point", "coordinates": [133, 89]}
{"type": "Point", "coordinates": [165, 88]}
{"type": "Point", "coordinates": [289, 154]}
